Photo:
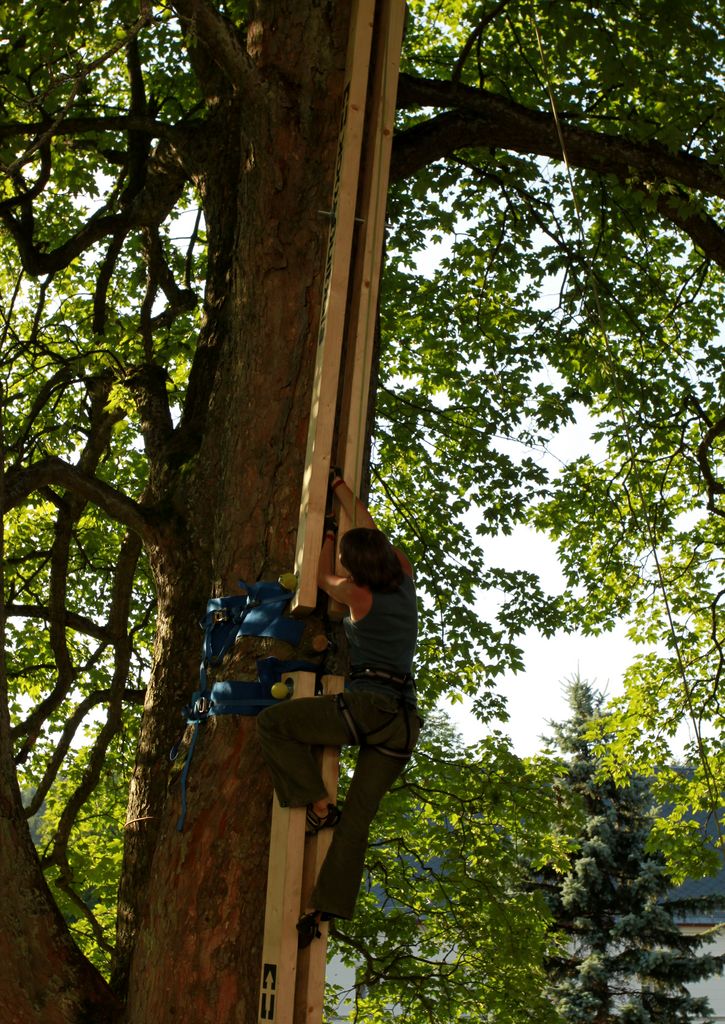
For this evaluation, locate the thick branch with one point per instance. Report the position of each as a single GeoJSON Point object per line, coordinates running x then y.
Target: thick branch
{"type": "Point", "coordinates": [91, 125]}
{"type": "Point", "coordinates": [164, 184]}
{"type": "Point", "coordinates": [704, 231]}
{"type": "Point", "coordinates": [474, 117]}
{"type": "Point", "coordinates": [214, 47]}
{"type": "Point", "coordinates": [103, 282]}
{"type": "Point", "coordinates": [148, 385]}
{"type": "Point", "coordinates": [79, 623]}
{"type": "Point", "coordinates": [19, 483]}
{"type": "Point", "coordinates": [713, 485]}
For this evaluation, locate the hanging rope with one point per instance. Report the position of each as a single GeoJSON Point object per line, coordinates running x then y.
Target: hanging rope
{"type": "Point", "coordinates": [629, 438]}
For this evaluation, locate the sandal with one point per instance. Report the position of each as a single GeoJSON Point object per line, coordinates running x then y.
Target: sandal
{"type": "Point", "coordinates": [315, 823]}
{"type": "Point", "coordinates": [308, 927]}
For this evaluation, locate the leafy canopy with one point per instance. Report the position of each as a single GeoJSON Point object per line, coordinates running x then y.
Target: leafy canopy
{"type": "Point", "coordinates": [550, 300]}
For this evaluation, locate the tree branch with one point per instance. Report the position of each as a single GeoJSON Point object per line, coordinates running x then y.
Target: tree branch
{"type": "Point", "coordinates": [43, 138]}
{"type": "Point", "coordinates": [481, 119]}
{"type": "Point", "coordinates": [145, 123]}
{"type": "Point", "coordinates": [473, 39]}
{"type": "Point", "coordinates": [713, 485]}
{"type": "Point", "coordinates": [19, 483]}
{"type": "Point", "coordinates": [475, 117]}
{"type": "Point", "coordinates": [180, 300]}
{"type": "Point", "coordinates": [213, 44]}
{"type": "Point", "coordinates": [28, 194]}
{"type": "Point", "coordinates": [704, 231]}
{"type": "Point", "coordinates": [138, 154]}
{"type": "Point", "coordinates": [165, 181]}
{"type": "Point", "coordinates": [116, 632]}
{"type": "Point", "coordinates": [65, 886]}
{"type": "Point", "coordinates": [79, 623]}
{"type": "Point", "coordinates": [103, 281]}
{"type": "Point", "coordinates": [118, 625]}
{"type": "Point", "coordinates": [63, 743]}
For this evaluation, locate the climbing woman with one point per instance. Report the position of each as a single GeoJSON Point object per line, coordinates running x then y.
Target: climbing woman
{"type": "Point", "coordinates": [376, 712]}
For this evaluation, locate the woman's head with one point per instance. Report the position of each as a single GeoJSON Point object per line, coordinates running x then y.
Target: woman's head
{"type": "Point", "coordinates": [370, 559]}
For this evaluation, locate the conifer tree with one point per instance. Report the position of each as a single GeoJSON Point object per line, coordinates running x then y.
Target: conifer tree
{"type": "Point", "coordinates": [622, 958]}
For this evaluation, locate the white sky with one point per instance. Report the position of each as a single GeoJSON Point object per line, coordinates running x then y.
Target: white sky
{"type": "Point", "coordinates": [534, 696]}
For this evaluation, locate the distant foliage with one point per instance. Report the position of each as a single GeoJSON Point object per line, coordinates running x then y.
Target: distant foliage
{"type": "Point", "coordinates": [621, 958]}
{"type": "Point", "coordinates": [520, 296]}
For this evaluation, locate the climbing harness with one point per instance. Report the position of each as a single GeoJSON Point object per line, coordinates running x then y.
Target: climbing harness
{"type": "Point", "coordinates": [376, 673]}
{"type": "Point", "coordinates": [258, 612]}
{"type": "Point", "coordinates": [314, 823]}
{"type": "Point", "coordinates": [362, 739]}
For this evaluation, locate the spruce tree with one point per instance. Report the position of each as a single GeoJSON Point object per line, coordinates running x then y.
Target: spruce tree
{"type": "Point", "coordinates": [622, 956]}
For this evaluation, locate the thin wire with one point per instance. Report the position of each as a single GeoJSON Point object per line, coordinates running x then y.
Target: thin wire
{"type": "Point", "coordinates": [712, 788]}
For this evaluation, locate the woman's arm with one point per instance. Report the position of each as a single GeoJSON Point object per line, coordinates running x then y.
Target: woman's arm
{"type": "Point", "coordinates": [359, 514]}
{"type": "Point", "coordinates": [341, 588]}
{"type": "Point", "coordinates": [355, 509]}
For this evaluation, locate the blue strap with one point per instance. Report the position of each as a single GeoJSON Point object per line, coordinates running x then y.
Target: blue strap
{"type": "Point", "coordinates": [234, 697]}
{"type": "Point", "coordinates": [259, 612]}
{"type": "Point", "coordinates": [184, 774]}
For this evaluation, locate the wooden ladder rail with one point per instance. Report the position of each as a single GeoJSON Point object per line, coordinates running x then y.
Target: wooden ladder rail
{"type": "Point", "coordinates": [292, 981]}
{"type": "Point", "coordinates": [326, 381]}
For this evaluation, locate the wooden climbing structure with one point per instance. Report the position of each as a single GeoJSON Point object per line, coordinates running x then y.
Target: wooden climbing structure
{"type": "Point", "coordinates": [292, 982]}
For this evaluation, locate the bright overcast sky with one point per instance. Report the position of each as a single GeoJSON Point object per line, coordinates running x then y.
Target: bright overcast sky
{"type": "Point", "coordinates": [535, 695]}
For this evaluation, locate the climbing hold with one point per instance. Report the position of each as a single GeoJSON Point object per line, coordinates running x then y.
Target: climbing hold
{"type": "Point", "coordinates": [288, 580]}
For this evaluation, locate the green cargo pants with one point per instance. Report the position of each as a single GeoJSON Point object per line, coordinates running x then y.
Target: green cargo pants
{"type": "Point", "coordinates": [289, 731]}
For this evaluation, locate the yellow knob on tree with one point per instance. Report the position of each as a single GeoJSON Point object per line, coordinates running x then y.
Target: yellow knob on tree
{"type": "Point", "coordinates": [288, 580]}
{"type": "Point", "coordinates": [280, 690]}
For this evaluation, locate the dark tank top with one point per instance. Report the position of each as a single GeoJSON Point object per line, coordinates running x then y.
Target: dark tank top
{"type": "Point", "coordinates": [385, 639]}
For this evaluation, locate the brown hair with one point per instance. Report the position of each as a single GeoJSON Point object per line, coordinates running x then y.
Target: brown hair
{"type": "Point", "coordinates": [371, 559]}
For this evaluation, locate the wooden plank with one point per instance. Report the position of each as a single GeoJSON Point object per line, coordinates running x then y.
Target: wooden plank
{"type": "Point", "coordinates": [375, 174]}
{"type": "Point", "coordinates": [312, 961]}
{"type": "Point", "coordinates": [333, 306]}
{"type": "Point", "coordinates": [294, 860]}
{"type": "Point", "coordinates": [284, 892]}
{"type": "Point", "coordinates": [372, 209]}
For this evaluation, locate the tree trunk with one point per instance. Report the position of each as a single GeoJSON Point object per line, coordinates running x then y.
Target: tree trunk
{"type": "Point", "coordinates": [43, 976]}
{"type": "Point", "coordinates": [198, 953]}
{"type": "Point", "coordinates": [193, 901]}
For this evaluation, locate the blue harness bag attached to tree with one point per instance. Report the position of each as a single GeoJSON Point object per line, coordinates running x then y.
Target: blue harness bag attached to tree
{"type": "Point", "coordinates": [258, 612]}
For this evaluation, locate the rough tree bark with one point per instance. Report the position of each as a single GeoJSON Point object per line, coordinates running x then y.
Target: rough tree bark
{"type": "Point", "coordinates": [43, 977]}
{"type": "Point", "coordinates": [222, 503]}
{"type": "Point", "coordinates": [224, 484]}
{"type": "Point", "coordinates": [192, 903]}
